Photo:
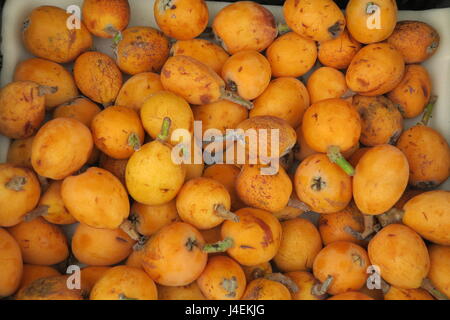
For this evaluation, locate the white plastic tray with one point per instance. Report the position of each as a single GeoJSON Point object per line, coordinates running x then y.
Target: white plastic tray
{"type": "Point", "coordinates": [15, 11]}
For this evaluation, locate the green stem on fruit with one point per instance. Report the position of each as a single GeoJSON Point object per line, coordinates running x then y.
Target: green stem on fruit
{"type": "Point", "coordinates": [320, 289]}
{"type": "Point", "coordinates": [219, 246]}
{"type": "Point", "coordinates": [221, 211]}
{"type": "Point", "coordinates": [427, 115]}
{"type": "Point", "coordinates": [16, 183]}
{"type": "Point", "coordinates": [164, 134]}
{"type": "Point", "coordinates": [428, 286]}
{"type": "Point", "coordinates": [38, 212]}
{"type": "Point", "coordinates": [284, 280]}
{"type": "Point", "coordinates": [394, 215]}
{"type": "Point", "coordinates": [134, 142]}
{"type": "Point", "coordinates": [233, 97]}
{"type": "Point", "coordinates": [282, 28]}
{"type": "Point", "coordinates": [335, 156]}
{"type": "Point", "coordinates": [295, 203]}
{"type": "Point", "coordinates": [122, 296]}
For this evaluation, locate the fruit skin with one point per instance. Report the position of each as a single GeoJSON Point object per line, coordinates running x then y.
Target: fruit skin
{"type": "Point", "coordinates": [174, 255]}
{"type": "Point", "coordinates": [375, 70]}
{"type": "Point", "coordinates": [256, 237]}
{"type": "Point", "coordinates": [33, 272]}
{"type": "Point", "coordinates": [48, 73]}
{"type": "Point", "coordinates": [305, 282]}
{"type": "Point", "coordinates": [286, 98]}
{"type": "Point", "coordinates": [98, 77]}
{"type": "Point", "coordinates": [81, 109]}
{"type": "Point", "coordinates": [326, 83]}
{"type": "Point", "coordinates": [122, 283]}
{"type": "Point", "coordinates": [19, 152]}
{"type": "Point", "coordinates": [300, 244]}
{"type": "Point", "coordinates": [142, 49]}
{"type": "Point", "coordinates": [226, 174]}
{"type": "Point", "coordinates": [413, 92]}
{"type": "Point", "coordinates": [429, 215]}
{"type": "Point", "coordinates": [222, 279]}
{"type": "Point", "coordinates": [112, 128]}
{"type": "Point", "coordinates": [41, 242]}
{"type": "Point", "coordinates": [163, 104]}
{"type": "Point", "coordinates": [395, 293]}
{"type": "Point", "coordinates": [45, 35]}
{"type": "Point", "coordinates": [382, 122]}
{"type": "Point", "coordinates": [103, 18]}
{"type": "Point", "coordinates": [150, 219]}
{"type": "Point", "coordinates": [202, 50]}
{"type": "Point", "coordinates": [338, 53]}
{"type": "Point", "coordinates": [70, 148]}
{"type": "Point", "coordinates": [192, 80]}
{"type": "Point", "coordinates": [381, 178]}
{"type": "Point", "coordinates": [221, 115]}
{"type": "Point", "coordinates": [263, 289]}
{"type": "Point", "coordinates": [15, 204]}
{"type": "Point", "coordinates": [324, 119]}
{"type": "Point", "coordinates": [332, 225]}
{"type": "Point", "coordinates": [401, 255]}
{"type": "Point", "coordinates": [22, 109]}
{"type": "Point", "coordinates": [57, 212]}
{"type": "Point", "coordinates": [100, 247]}
{"type": "Point", "coordinates": [428, 155]}
{"type": "Point", "coordinates": [96, 198]}
{"type": "Point", "coordinates": [137, 88]}
{"type": "Point", "coordinates": [249, 71]}
{"type": "Point", "coordinates": [346, 262]}
{"type": "Point", "coordinates": [416, 40]}
{"type": "Point", "coordinates": [90, 276]}
{"type": "Point", "coordinates": [11, 264]}
{"type": "Point", "coordinates": [255, 25]}
{"type": "Point", "coordinates": [196, 201]}
{"type": "Point", "coordinates": [319, 20]}
{"type": "Point", "coordinates": [351, 295]}
{"type": "Point", "coordinates": [52, 288]}
{"type": "Point", "coordinates": [181, 19]}
{"type": "Point", "coordinates": [359, 20]}
{"type": "Point", "coordinates": [188, 292]}
{"type": "Point", "coordinates": [291, 55]}
{"type": "Point", "coordinates": [266, 192]}
{"type": "Point", "coordinates": [322, 184]}
{"type": "Point", "coordinates": [440, 267]}
{"type": "Point", "coordinates": [153, 163]}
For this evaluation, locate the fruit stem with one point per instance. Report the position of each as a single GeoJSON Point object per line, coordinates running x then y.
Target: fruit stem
{"type": "Point", "coordinates": [233, 97]}
{"type": "Point", "coordinates": [257, 273]}
{"type": "Point", "coordinates": [16, 183]}
{"type": "Point", "coordinates": [348, 94]}
{"type": "Point", "coordinates": [219, 246]}
{"type": "Point", "coordinates": [37, 212]}
{"type": "Point", "coordinates": [44, 90]}
{"type": "Point", "coordinates": [128, 228]}
{"type": "Point", "coordinates": [428, 286]}
{"type": "Point", "coordinates": [394, 215]}
{"type": "Point", "coordinates": [282, 28]}
{"type": "Point", "coordinates": [221, 211]}
{"type": "Point", "coordinates": [320, 289]}
{"type": "Point", "coordinates": [369, 228]}
{"type": "Point", "coordinates": [122, 296]}
{"type": "Point", "coordinates": [427, 115]}
{"type": "Point", "coordinates": [133, 141]}
{"type": "Point", "coordinates": [139, 245]}
{"type": "Point", "coordinates": [295, 203]}
{"type": "Point", "coordinates": [284, 280]}
{"type": "Point", "coordinates": [164, 134]}
{"type": "Point", "coordinates": [335, 156]}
